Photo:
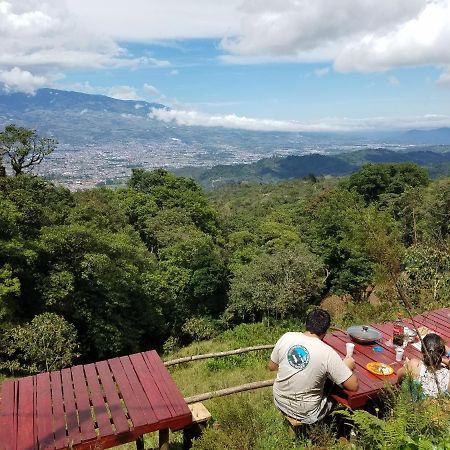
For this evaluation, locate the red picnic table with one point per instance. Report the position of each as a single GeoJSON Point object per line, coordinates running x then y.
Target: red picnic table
{"type": "Point", "coordinates": [92, 406]}
{"type": "Point", "coordinates": [371, 385]}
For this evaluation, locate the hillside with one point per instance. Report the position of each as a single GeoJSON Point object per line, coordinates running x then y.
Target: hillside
{"type": "Point", "coordinates": [271, 170]}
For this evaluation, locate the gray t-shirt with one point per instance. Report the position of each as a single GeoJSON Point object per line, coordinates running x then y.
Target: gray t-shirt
{"type": "Point", "coordinates": [304, 364]}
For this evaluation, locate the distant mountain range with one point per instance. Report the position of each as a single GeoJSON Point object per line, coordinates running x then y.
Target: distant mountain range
{"type": "Point", "coordinates": [102, 139]}
{"type": "Point", "coordinates": [75, 117]}
{"type": "Point", "coordinates": [436, 136]}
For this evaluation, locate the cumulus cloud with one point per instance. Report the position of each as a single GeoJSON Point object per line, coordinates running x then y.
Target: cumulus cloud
{"type": "Point", "coordinates": [21, 80]}
{"type": "Point", "coordinates": [194, 118]}
{"type": "Point", "coordinates": [144, 20]}
{"type": "Point", "coordinates": [44, 38]}
{"type": "Point", "coordinates": [356, 35]}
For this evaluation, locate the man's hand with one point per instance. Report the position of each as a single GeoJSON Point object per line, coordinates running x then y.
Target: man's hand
{"type": "Point", "coordinates": [349, 362]}
{"type": "Point", "coordinates": [272, 366]}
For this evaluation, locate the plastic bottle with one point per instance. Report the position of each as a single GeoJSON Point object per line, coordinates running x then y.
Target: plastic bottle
{"type": "Point", "coordinates": [398, 332]}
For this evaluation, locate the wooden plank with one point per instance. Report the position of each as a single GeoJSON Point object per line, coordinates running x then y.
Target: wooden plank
{"type": "Point", "coordinates": [44, 415]}
{"type": "Point", "coordinates": [365, 382]}
{"type": "Point", "coordinates": [426, 321]}
{"type": "Point", "coordinates": [442, 325]}
{"type": "Point", "coordinates": [73, 429]}
{"type": "Point", "coordinates": [83, 404]}
{"type": "Point", "coordinates": [161, 386]}
{"type": "Point", "coordinates": [112, 397]}
{"type": "Point", "coordinates": [59, 417]}
{"type": "Point", "coordinates": [130, 398]}
{"type": "Point", "coordinates": [150, 387]}
{"type": "Point", "coordinates": [25, 418]}
{"type": "Point", "coordinates": [7, 413]}
{"type": "Point", "coordinates": [146, 405]}
{"type": "Point", "coordinates": [175, 396]}
{"type": "Point", "coordinates": [98, 402]}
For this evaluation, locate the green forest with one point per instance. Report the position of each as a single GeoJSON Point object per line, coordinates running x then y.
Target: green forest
{"type": "Point", "coordinates": [161, 264]}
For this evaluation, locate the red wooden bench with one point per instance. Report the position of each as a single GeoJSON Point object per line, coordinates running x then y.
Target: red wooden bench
{"type": "Point", "coordinates": [92, 406]}
{"type": "Point", "coordinates": [371, 385]}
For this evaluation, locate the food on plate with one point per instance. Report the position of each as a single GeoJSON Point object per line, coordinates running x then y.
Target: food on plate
{"type": "Point", "coordinates": [423, 331]}
{"type": "Point", "coordinates": [379, 368]}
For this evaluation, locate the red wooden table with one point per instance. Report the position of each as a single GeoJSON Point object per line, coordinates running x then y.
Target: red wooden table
{"type": "Point", "coordinates": [371, 385]}
{"type": "Point", "coordinates": [92, 406]}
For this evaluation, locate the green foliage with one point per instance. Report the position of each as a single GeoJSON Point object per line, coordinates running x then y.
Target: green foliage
{"type": "Point", "coordinates": [169, 191]}
{"type": "Point", "coordinates": [428, 275]}
{"type": "Point", "coordinates": [47, 343]}
{"type": "Point", "coordinates": [379, 182]}
{"type": "Point", "coordinates": [24, 148]}
{"type": "Point", "coordinates": [409, 425]}
{"type": "Point", "coordinates": [333, 225]}
{"type": "Point", "coordinates": [199, 328]}
{"type": "Point", "coordinates": [9, 291]}
{"type": "Point", "coordinates": [96, 279]}
{"type": "Point", "coordinates": [275, 285]}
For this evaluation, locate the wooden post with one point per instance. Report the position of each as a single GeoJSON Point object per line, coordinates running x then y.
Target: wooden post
{"type": "Point", "coordinates": [140, 443]}
{"type": "Point", "coordinates": [164, 439]}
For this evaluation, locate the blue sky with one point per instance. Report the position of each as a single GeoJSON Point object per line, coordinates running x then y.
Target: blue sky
{"type": "Point", "coordinates": [297, 64]}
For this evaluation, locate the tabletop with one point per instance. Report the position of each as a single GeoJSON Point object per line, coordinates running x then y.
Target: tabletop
{"type": "Point", "coordinates": [370, 385]}
{"type": "Point", "coordinates": [96, 405]}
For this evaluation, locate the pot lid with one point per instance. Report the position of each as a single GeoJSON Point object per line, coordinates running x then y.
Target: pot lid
{"type": "Point", "coordinates": [364, 332]}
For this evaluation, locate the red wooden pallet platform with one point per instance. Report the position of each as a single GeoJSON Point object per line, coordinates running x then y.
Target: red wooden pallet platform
{"type": "Point", "coordinates": [92, 406]}
{"type": "Point", "coordinates": [371, 385]}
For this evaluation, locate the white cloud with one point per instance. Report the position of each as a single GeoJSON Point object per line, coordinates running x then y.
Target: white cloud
{"type": "Point", "coordinates": [174, 72]}
{"type": "Point", "coordinates": [144, 20]}
{"type": "Point", "coordinates": [289, 27]}
{"type": "Point", "coordinates": [150, 90]}
{"type": "Point", "coordinates": [194, 118]}
{"type": "Point", "coordinates": [357, 35]}
{"type": "Point", "coordinates": [21, 80]}
{"type": "Point", "coordinates": [45, 38]}
{"type": "Point", "coordinates": [122, 93]}
{"type": "Point", "coordinates": [423, 40]}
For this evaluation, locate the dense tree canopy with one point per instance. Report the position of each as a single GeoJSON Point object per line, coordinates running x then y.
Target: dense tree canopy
{"type": "Point", "coordinates": [122, 270]}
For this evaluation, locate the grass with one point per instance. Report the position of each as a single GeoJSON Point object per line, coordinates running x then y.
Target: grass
{"type": "Point", "coordinates": [249, 421]}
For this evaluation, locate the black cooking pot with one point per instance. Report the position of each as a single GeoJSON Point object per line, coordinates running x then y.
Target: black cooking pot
{"type": "Point", "coordinates": [363, 334]}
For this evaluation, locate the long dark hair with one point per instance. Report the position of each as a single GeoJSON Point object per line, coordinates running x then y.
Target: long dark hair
{"type": "Point", "coordinates": [435, 350]}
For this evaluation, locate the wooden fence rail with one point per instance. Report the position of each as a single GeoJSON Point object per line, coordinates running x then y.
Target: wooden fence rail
{"type": "Point", "coordinates": [228, 391]}
{"type": "Point", "coordinates": [218, 354]}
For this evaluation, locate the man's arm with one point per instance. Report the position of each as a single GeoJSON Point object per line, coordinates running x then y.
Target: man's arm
{"type": "Point", "coordinates": [273, 367]}
{"type": "Point", "coordinates": [351, 384]}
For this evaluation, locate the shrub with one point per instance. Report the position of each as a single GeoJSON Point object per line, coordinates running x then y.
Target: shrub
{"type": "Point", "coordinates": [47, 343]}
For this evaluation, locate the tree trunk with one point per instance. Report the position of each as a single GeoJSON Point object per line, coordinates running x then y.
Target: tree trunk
{"type": "Point", "coordinates": [2, 171]}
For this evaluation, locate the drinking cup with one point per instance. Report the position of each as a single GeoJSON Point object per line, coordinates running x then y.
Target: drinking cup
{"type": "Point", "coordinates": [399, 351]}
{"type": "Point", "coordinates": [350, 347]}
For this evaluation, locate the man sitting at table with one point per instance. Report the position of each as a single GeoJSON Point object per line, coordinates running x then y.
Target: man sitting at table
{"type": "Point", "coordinates": [304, 362]}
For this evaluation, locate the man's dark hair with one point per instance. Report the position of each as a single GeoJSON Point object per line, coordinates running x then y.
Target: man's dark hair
{"type": "Point", "coordinates": [318, 321]}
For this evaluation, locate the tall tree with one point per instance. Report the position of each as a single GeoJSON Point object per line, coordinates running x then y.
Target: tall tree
{"type": "Point", "coordinates": [24, 147]}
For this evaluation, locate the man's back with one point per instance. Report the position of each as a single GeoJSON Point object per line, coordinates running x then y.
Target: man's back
{"type": "Point", "coordinates": [304, 364]}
